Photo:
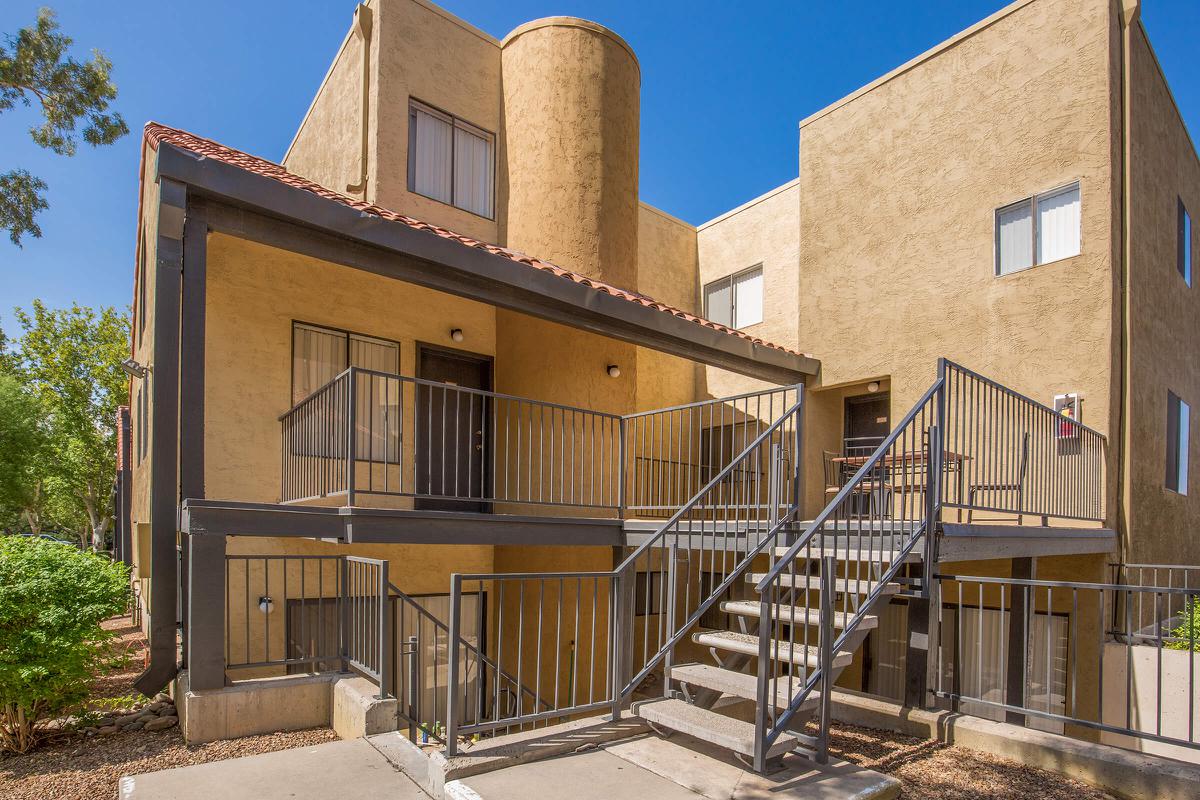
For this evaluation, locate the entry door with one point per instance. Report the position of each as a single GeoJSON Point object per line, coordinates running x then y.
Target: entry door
{"type": "Point", "coordinates": [867, 423]}
{"type": "Point", "coordinates": [451, 449]}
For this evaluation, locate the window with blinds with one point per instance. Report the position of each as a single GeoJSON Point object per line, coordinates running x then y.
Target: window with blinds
{"type": "Point", "coordinates": [450, 160]}
{"type": "Point", "coordinates": [736, 301]}
{"type": "Point", "coordinates": [1179, 435]}
{"type": "Point", "coordinates": [1183, 249]}
{"type": "Point", "coordinates": [321, 354]}
{"type": "Point", "coordinates": [1038, 230]}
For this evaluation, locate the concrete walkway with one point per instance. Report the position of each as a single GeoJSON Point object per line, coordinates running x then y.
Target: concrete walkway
{"type": "Point", "coordinates": [349, 768]}
{"type": "Point", "coordinates": [645, 766]}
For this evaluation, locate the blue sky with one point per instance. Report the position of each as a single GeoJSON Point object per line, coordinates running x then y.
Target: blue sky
{"type": "Point", "coordinates": [724, 85]}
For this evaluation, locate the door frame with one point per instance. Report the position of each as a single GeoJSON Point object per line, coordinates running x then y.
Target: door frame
{"type": "Point", "coordinates": [489, 364]}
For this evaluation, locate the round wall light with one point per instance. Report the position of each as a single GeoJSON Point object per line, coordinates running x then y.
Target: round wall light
{"type": "Point", "coordinates": [265, 604]}
{"type": "Point", "coordinates": [456, 334]}
{"type": "Point", "coordinates": [873, 386]}
{"type": "Point", "coordinates": [614, 371]}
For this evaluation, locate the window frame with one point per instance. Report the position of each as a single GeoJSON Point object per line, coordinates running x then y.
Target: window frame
{"type": "Point", "coordinates": [1179, 437]}
{"type": "Point", "coordinates": [731, 281]}
{"type": "Point", "coordinates": [349, 335]}
{"type": "Point", "coordinates": [1032, 200]}
{"type": "Point", "coordinates": [1184, 255]}
{"type": "Point", "coordinates": [455, 122]}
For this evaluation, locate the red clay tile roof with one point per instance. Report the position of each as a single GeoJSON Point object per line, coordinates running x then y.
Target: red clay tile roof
{"type": "Point", "coordinates": [156, 133]}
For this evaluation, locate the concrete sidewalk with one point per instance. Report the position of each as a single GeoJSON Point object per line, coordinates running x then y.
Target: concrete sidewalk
{"type": "Point", "coordinates": [349, 768]}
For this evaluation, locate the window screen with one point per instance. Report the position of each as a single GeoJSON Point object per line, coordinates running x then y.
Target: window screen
{"type": "Point", "coordinates": [1038, 230]}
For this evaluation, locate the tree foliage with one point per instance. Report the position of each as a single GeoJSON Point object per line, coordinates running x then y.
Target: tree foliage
{"type": "Point", "coordinates": [1187, 635]}
{"type": "Point", "coordinates": [35, 67]}
{"type": "Point", "coordinates": [52, 600]}
{"type": "Point", "coordinates": [23, 445]}
{"type": "Point", "coordinates": [68, 361]}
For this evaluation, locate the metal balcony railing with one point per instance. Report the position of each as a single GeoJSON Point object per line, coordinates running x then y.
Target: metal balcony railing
{"type": "Point", "coordinates": [374, 433]}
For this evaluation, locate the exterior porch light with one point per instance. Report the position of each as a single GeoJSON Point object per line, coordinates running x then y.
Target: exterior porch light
{"type": "Point", "coordinates": [873, 386]}
{"type": "Point", "coordinates": [614, 371]}
{"type": "Point", "coordinates": [133, 369]}
{"type": "Point", "coordinates": [456, 334]}
{"type": "Point", "coordinates": [265, 604]}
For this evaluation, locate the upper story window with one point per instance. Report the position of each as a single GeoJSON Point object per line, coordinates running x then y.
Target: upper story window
{"type": "Point", "coordinates": [1178, 434]}
{"type": "Point", "coordinates": [1038, 230]}
{"type": "Point", "coordinates": [737, 300]}
{"type": "Point", "coordinates": [1183, 259]}
{"type": "Point", "coordinates": [451, 160]}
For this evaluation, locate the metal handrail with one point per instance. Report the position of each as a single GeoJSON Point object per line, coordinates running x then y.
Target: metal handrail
{"type": "Point", "coordinates": [1019, 396]}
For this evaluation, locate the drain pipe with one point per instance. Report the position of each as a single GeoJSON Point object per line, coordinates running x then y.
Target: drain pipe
{"type": "Point", "coordinates": [362, 24]}
{"type": "Point", "coordinates": [1130, 10]}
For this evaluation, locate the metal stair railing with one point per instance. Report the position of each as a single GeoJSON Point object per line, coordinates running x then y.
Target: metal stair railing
{"type": "Point", "coordinates": [741, 511]}
{"type": "Point", "coordinates": [876, 519]}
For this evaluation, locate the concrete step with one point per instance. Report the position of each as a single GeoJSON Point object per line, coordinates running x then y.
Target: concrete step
{"type": "Point", "coordinates": [795, 615]}
{"type": "Point", "coordinates": [869, 552]}
{"type": "Point", "coordinates": [709, 726]}
{"type": "Point", "coordinates": [747, 644]}
{"type": "Point", "coordinates": [814, 583]}
{"type": "Point", "coordinates": [739, 684]}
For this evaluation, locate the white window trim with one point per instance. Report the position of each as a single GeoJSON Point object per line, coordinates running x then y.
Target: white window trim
{"type": "Point", "coordinates": [454, 122]}
{"type": "Point", "coordinates": [731, 280]}
{"type": "Point", "coordinates": [1033, 229]}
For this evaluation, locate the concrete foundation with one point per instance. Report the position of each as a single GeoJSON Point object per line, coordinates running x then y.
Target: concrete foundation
{"type": "Point", "coordinates": [358, 711]}
{"type": "Point", "coordinates": [1137, 776]}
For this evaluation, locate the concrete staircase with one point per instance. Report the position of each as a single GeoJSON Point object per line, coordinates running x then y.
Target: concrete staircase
{"type": "Point", "coordinates": [697, 694]}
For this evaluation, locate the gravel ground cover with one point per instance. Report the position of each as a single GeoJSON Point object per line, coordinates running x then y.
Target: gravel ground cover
{"type": "Point", "coordinates": [78, 766]}
{"type": "Point", "coordinates": [929, 769]}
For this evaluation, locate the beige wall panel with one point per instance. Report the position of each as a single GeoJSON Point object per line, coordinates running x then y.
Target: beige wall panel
{"type": "Point", "coordinates": [1163, 318]}
{"type": "Point", "coordinates": [898, 191]}
{"type": "Point", "coordinates": [571, 92]}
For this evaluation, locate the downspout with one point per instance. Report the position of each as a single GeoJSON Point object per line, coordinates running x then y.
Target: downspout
{"type": "Point", "coordinates": [362, 24]}
{"type": "Point", "coordinates": [1129, 15]}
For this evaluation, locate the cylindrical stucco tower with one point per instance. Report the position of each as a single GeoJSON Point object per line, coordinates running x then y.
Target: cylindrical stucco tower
{"type": "Point", "coordinates": [571, 105]}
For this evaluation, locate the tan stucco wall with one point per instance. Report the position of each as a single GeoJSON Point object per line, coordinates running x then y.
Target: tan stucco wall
{"type": "Point", "coordinates": [1163, 317]}
{"type": "Point", "coordinates": [328, 145]}
{"type": "Point", "coordinates": [570, 156]}
{"type": "Point", "coordinates": [254, 295]}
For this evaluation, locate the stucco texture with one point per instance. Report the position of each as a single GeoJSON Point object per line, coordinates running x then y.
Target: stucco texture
{"type": "Point", "coordinates": [1164, 312]}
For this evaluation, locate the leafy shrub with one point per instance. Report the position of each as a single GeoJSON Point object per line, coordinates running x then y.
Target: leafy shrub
{"type": "Point", "coordinates": [1187, 635]}
{"type": "Point", "coordinates": [53, 598]}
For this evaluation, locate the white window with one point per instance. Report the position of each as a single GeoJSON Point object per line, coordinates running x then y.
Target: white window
{"type": "Point", "coordinates": [1178, 434]}
{"type": "Point", "coordinates": [450, 160]}
{"type": "Point", "coordinates": [1183, 261]}
{"type": "Point", "coordinates": [735, 301]}
{"type": "Point", "coordinates": [1038, 230]}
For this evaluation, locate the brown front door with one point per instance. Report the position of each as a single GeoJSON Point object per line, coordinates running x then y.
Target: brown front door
{"type": "Point", "coordinates": [451, 450]}
{"type": "Point", "coordinates": [867, 423]}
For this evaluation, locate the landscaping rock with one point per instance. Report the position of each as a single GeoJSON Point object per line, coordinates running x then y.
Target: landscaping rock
{"type": "Point", "coordinates": [162, 723]}
{"type": "Point", "coordinates": [122, 720]}
{"type": "Point", "coordinates": [155, 706]}
{"type": "Point", "coordinates": [136, 726]}
{"type": "Point", "coordinates": [168, 711]}
{"type": "Point", "coordinates": [162, 697]}
{"type": "Point", "coordinates": [108, 730]}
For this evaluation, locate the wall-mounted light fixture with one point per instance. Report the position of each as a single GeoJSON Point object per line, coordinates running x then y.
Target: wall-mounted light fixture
{"type": "Point", "coordinates": [133, 369]}
{"type": "Point", "coordinates": [456, 334]}
{"type": "Point", "coordinates": [873, 386]}
{"type": "Point", "coordinates": [614, 371]}
{"type": "Point", "coordinates": [265, 604]}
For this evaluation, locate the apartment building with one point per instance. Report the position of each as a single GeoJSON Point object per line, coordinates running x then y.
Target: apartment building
{"type": "Point", "coordinates": [440, 374]}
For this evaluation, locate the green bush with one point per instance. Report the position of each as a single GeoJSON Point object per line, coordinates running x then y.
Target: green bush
{"type": "Point", "coordinates": [53, 598]}
{"type": "Point", "coordinates": [1187, 635]}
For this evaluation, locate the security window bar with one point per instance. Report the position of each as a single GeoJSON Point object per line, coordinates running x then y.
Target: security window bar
{"type": "Point", "coordinates": [1178, 436]}
{"type": "Point", "coordinates": [1183, 260]}
{"type": "Point", "coordinates": [450, 160]}
{"type": "Point", "coordinates": [1038, 230]}
{"type": "Point", "coordinates": [735, 301]}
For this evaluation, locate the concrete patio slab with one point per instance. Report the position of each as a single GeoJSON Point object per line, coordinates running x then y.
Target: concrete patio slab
{"type": "Point", "coordinates": [594, 775]}
{"type": "Point", "coordinates": [335, 769]}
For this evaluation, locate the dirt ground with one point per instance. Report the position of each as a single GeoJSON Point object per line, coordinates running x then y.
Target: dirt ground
{"type": "Point", "coordinates": [929, 769]}
{"type": "Point", "coordinates": [77, 767]}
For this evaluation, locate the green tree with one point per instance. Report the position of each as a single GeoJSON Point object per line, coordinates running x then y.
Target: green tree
{"type": "Point", "coordinates": [52, 601]}
{"type": "Point", "coordinates": [22, 455]}
{"type": "Point", "coordinates": [1187, 635]}
{"type": "Point", "coordinates": [70, 362]}
{"type": "Point", "coordinates": [35, 66]}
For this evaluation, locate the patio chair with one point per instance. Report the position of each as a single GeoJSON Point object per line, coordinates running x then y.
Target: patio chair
{"type": "Point", "coordinates": [1016, 485]}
